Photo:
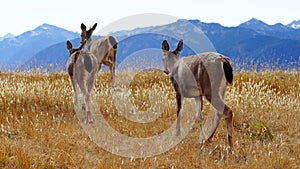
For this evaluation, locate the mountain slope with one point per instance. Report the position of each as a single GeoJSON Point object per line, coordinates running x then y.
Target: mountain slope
{"type": "Point", "coordinates": [259, 44]}
{"type": "Point", "coordinates": [17, 50]}
{"type": "Point", "coordinates": [278, 30]}
{"type": "Point", "coordinates": [9, 35]}
{"type": "Point", "coordinates": [53, 58]}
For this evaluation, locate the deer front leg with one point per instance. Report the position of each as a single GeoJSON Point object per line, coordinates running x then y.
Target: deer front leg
{"type": "Point", "coordinates": [179, 99]}
{"type": "Point", "coordinates": [179, 112]}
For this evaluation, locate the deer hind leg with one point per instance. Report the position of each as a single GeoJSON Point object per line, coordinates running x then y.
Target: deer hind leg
{"type": "Point", "coordinates": [229, 122]}
{"type": "Point", "coordinates": [86, 98]}
{"type": "Point", "coordinates": [110, 61]}
{"type": "Point", "coordinates": [218, 104]}
{"type": "Point", "coordinates": [199, 105]}
{"type": "Point", "coordinates": [229, 118]}
{"type": "Point", "coordinates": [91, 83]}
{"type": "Point", "coordinates": [112, 68]}
{"type": "Point", "coordinates": [88, 112]}
{"type": "Point", "coordinates": [222, 109]}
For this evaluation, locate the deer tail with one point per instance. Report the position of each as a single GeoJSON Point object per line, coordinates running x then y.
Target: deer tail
{"type": "Point", "coordinates": [88, 63]}
{"type": "Point", "coordinates": [113, 42]}
{"type": "Point", "coordinates": [228, 71]}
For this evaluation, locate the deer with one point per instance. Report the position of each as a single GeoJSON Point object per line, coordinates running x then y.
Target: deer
{"type": "Point", "coordinates": [105, 49]}
{"type": "Point", "coordinates": [204, 74]}
{"type": "Point", "coordinates": [82, 68]}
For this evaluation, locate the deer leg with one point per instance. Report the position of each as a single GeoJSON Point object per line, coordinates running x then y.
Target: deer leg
{"type": "Point", "coordinates": [179, 99]}
{"type": "Point", "coordinates": [222, 109]}
{"type": "Point", "coordinates": [179, 111]}
{"type": "Point", "coordinates": [88, 115]}
{"type": "Point", "coordinates": [215, 124]}
{"type": "Point", "coordinates": [113, 71]}
{"type": "Point", "coordinates": [112, 68]}
{"type": "Point", "coordinates": [91, 83]}
{"type": "Point", "coordinates": [229, 119]}
{"type": "Point", "coordinates": [86, 103]}
{"type": "Point", "coordinates": [218, 104]}
{"type": "Point", "coordinates": [199, 105]}
{"type": "Point", "coordinates": [229, 122]}
{"type": "Point", "coordinates": [82, 82]}
{"type": "Point", "coordinates": [83, 105]}
{"type": "Point", "coordinates": [75, 90]}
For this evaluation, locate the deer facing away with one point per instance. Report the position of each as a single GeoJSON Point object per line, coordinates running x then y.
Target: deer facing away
{"type": "Point", "coordinates": [82, 68]}
{"type": "Point", "coordinates": [203, 74]}
{"type": "Point", "coordinates": [105, 49]}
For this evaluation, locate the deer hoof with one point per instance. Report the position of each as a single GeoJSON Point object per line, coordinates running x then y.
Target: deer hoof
{"type": "Point", "coordinates": [202, 141]}
{"type": "Point", "coordinates": [83, 107]}
{"type": "Point", "coordinates": [89, 121]}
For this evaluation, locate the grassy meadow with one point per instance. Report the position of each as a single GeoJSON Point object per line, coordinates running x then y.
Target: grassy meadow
{"type": "Point", "coordinates": [39, 128]}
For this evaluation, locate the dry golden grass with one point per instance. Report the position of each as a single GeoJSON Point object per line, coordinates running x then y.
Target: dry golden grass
{"type": "Point", "coordinates": [39, 128]}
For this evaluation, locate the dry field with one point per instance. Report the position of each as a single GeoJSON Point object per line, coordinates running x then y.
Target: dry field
{"type": "Point", "coordinates": [39, 127]}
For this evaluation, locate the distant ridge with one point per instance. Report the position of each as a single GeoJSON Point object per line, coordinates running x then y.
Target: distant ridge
{"type": "Point", "coordinates": [295, 24]}
{"type": "Point", "coordinates": [252, 43]}
{"type": "Point", "coordinates": [9, 35]}
{"type": "Point", "coordinates": [16, 50]}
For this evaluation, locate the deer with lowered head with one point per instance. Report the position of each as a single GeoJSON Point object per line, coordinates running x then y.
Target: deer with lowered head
{"type": "Point", "coordinates": [82, 68]}
{"type": "Point", "coordinates": [105, 49]}
{"type": "Point", "coordinates": [204, 74]}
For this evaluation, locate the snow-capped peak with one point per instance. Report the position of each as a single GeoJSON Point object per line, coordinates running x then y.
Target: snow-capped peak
{"type": "Point", "coordinates": [42, 29]}
{"type": "Point", "coordinates": [294, 24]}
{"type": "Point", "coordinates": [9, 35]}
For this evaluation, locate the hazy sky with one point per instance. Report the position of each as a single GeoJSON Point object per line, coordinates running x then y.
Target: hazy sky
{"type": "Point", "coordinates": [18, 16]}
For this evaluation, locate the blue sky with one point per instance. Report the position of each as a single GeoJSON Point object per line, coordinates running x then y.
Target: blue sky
{"type": "Point", "coordinates": [19, 16]}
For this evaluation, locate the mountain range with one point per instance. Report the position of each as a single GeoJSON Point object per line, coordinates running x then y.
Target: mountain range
{"type": "Point", "coordinates": [16, 50]}
{"type": "Point", "coordinates": [250, 44]}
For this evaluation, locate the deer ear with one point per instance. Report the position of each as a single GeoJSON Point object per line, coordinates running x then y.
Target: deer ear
{"type": "Point", "coordinates": [180, 45]}
{"type": "Point", "coordinates": [165, 45]}
{"type": "Point", "coordinates": [69, 45]}
{"type": "Point", "coordinates": [94, 27]}
{"type": "Point", "coordinates": [83, 27]}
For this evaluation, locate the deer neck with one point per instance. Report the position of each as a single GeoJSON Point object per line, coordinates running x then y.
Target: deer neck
{"type": "Point", "coordinates": [172, 62]}
{"type": "Point", "coordinates": [89, 43]}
